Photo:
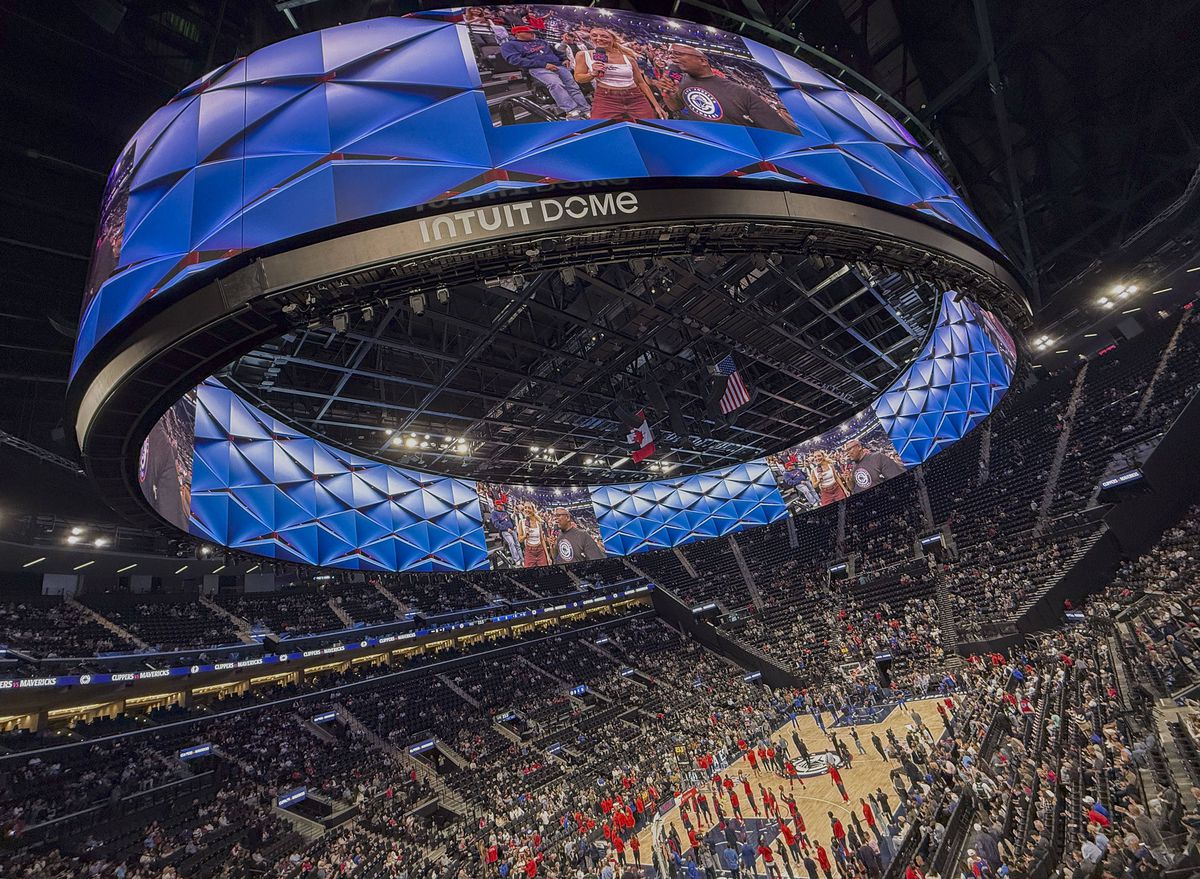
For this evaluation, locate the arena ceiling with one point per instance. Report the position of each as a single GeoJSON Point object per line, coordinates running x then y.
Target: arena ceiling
{"type": "Point", "coordinates": [1071, 127]}
{"type": "Point", "coordinates": [538, 375]}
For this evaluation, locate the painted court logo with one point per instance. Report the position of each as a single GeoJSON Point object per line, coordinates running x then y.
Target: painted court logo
{"type": "Point", "coordinates": [816, 764]}
{"type": "Point", "coordinates": [703, 103]}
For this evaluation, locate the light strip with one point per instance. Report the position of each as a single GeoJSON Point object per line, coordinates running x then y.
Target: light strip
{"type": "Point", "coordinates": [1194, 269]}
{"type": "Point", "coordinates": [1130, 310]}
{"type": "Point", "coordinates": [1163, 290]}
{"type": "Point", "coordinates": [255, 568]}
{"type": "Point", "coordinates": [34, 562]}
{"type": "Point", "coordinates": [126, 568]}
{"type": "Point", "coordinates": [1090, 335]}
{"type": "Point", "coordinates": [219, 570]}
{"type": "Point", "coordinates": [84, 565]}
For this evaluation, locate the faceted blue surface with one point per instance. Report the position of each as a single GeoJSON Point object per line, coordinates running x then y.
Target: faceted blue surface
{"type": "Point", "coordinates": [380, 115]}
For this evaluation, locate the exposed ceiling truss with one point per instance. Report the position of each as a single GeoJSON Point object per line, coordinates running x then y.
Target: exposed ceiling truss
{"type": "Point", "coordinates": [558, 360]}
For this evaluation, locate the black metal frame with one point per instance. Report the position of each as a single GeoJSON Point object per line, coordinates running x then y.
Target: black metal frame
{"type": "Point", "coordinates": [296, 290]}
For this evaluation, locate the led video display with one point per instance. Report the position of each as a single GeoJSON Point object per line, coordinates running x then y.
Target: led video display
{"type": "Point", "coordinates": [532, 527]}
{"type": "Point", "coordinates": [542, 63]}
{"type": "Point", "coordinates": [958, 378]}
{"type": "Point", "coordinates": [222, 469]}
{"type": "Point", "coordinates": [854, 457]}
{"type": "Point", "coordinates": [259, 485]}
{"type": "Point", "coordinates": [370, 118]}
{"type": "Point", "coordinates": [165, 462]}
{"type": "Point", "coordinates": [106, 255]}
{"type": "Point", "coordinates": [642, 516]}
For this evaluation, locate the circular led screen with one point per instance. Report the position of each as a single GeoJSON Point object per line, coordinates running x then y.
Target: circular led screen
{"type": "Point", "coordinates": [432, 149]}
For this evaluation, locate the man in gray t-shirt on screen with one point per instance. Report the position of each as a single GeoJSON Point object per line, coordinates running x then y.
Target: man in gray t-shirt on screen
{"type": "Point", "coordinates": [574, 543]}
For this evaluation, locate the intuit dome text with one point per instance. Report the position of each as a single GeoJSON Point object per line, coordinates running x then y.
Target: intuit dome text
{"type": "Point", "coordinates": [465, 224]}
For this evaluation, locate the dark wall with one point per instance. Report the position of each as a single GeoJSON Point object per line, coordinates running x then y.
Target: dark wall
{"type": "Point", "coordinates": [677, 613]}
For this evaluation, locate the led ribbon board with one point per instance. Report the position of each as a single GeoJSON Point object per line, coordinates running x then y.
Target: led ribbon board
{"type": "Point", "coordinates": [393, 146]}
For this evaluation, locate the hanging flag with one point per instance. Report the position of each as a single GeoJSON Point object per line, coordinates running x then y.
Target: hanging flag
{"type": "Point", "coordinates": [641, 439]}
{"type": "Point", "coordinates": [736, 394]}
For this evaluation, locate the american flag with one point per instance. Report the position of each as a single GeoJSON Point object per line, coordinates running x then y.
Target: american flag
{"type": "Point", "coordinates": [736, 394]}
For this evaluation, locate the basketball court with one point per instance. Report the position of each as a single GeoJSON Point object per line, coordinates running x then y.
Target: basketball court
{"type": "Point", "coordinates": [815, 798]}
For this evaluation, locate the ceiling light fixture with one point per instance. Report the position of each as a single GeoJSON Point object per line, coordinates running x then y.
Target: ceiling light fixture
{"type": "Point", "coordinates": [126, 568]}
{"type": "Point", "coordinates": [34, 562]}
{"type": "Point", "coordinates": [85, 565]}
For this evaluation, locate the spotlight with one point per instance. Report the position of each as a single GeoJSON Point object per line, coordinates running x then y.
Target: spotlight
{"type": "Point", "coordinates": [410, 443]}
{"type": "Point", "coordinates": [341, 323]}
{"type": "Point", "coordinates": [368, 313]}
{"type": "Point", "coordinates": [397, 441]}
{"type": "Point", "coordinates": [73, 539]}
{"type": "Point", "coordinates": [417, 303]}
{"type": "Point", "coordinates": [443, 294]}
{"type": "Point", "coordinates": [76, 530]}
{"type": "Point", "coordinates": [568, 275]}
{"type": "Point", "coordinates": [100, 541]}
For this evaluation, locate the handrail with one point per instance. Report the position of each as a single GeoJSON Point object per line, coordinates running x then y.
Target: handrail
{"type": "Point", "coordinates": [193, 780]}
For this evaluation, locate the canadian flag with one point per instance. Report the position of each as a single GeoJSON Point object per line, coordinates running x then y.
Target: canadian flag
{"type": "Point", "coordinates": [642, 439]}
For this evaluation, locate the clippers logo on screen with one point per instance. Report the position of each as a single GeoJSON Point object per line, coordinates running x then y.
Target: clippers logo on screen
{"type": "Point", "coordinates": [703, 103]}
{"type": "Point", "coordinates": [142, 458]}
{"type": "Point", "coordinates": [862, 478]}
{"type": "Point", "coordinates": [566, 552]}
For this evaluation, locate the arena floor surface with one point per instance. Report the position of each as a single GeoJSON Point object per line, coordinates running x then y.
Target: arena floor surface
{"type": "Point", "coordinates": [815, 799]}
